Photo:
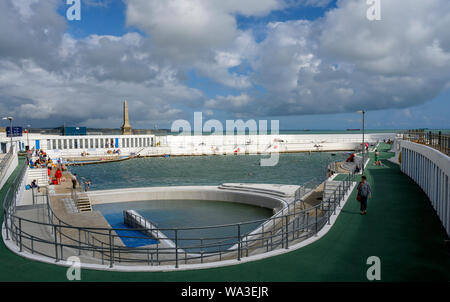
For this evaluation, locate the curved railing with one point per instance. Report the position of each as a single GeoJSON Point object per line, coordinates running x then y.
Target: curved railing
{"type": "Point", "coordinates": [429, 168]}
{"type": "Point", "coordinates": [45, 234]}
{"type": "Point", "coordinates": [5, 163]}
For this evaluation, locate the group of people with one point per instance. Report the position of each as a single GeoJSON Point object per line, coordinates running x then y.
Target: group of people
{"type": "Point", "coordinates": [54, 170]}
{"type": "Point", "coordinates": [56, 178]}
{"type": "Point", "coordinates": [366, 146]}
{"type": "Point", "coordinates": [87, 184]}
{"type": "Point", "coordinates": [113, 151]}
{"type": "Point", "coordinates": [42, 161]}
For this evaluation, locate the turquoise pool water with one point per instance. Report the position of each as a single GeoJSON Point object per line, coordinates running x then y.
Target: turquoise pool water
{"type": "Point", "coordinates": [293, 168]}
{"type": "Point", "coordinates": [186, 214]}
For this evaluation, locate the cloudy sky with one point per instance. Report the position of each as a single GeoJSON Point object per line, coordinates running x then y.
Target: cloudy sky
{"type": "Point", "coordinates": [309, 63]}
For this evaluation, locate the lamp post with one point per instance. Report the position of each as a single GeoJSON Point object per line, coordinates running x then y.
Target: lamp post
{"type": "Point", "coordinates": [28, 136]}
{"type": "Point", "coordinates": [10, 128]}
{"type": "Point", "coordinates": [363, 143]}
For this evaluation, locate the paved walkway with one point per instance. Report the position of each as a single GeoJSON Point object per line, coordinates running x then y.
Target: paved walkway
{"type": "Point", "coordinates": [401, 228]}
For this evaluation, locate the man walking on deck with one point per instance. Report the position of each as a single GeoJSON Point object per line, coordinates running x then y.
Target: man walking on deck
{"type": "Point", "coordinates": [364, 191]}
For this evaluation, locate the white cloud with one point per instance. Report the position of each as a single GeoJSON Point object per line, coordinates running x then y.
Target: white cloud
{"type": "Point", "coordinates": [343, 61]}
{"type": "Point", "coordinates": [199, 33]}
{"type": "Point", "coordinates": [337, 63]}
{"type": "Point", "coordinates": [233, 103]}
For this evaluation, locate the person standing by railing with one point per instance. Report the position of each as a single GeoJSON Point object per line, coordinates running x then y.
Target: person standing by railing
{"type": "Point", "coordinates": [87, 185]}
{"type": "Point", "coordinates": [74, 181]}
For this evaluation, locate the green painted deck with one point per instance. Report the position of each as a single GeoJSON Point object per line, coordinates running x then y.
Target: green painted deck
{"type": "Point", "coordinates": [401, 228]}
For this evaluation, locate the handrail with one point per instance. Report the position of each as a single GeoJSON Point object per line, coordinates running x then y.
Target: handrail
{"type": "Point", "coordinates": [288, 226]}
{"type": "Point", "coordinates": [5, 162]}
{"type": "Point", "coordinates": [439, 141]}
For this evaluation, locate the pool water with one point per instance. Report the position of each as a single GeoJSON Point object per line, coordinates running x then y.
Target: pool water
{"type": "Point", "coordinates": [292, 168]}
{"type": "Point", "coordinates": [185, 214]}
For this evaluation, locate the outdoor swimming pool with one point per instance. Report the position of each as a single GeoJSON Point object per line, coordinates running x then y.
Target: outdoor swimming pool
{"type": "Point", "coordinates": [292, 168]}
{"type": "Point", "coordinates": [184, 214]}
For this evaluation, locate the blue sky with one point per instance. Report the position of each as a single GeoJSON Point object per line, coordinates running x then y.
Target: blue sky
{"type": "Point", "coordinates": [305, 64]}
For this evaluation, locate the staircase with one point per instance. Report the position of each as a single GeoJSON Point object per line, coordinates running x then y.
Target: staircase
{"type": "Point", "coordinates": [139, 151]}
{"type": "Point", "coordinates": [350, 167]}
{"type": "Point", "coordinates": [83, 202]}
{"type": "Point", "coordinates": [40, 174]}
{"type": "Point", "coordinates": [251, 188]}
{"type": "Point", "coordinates": [330, 187]}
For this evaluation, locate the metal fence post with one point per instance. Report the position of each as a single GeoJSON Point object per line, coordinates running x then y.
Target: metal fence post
{"type": "Point", "coordinates": [239, 241]}
{"type": "Point", "coordinates": [334, 202]}
{"type": "Point", "coordinates": [316, 222]}
{"type": "Point", "coordinates": [56, 243]}
{"type": "Point", "coordinates": [157, 247]}
{"type": "Point", "coordinates": [20, 233]}
{"type": "Point", "coordinates": [111, 257]}
{"type": "Point", "coordinates": [340, 196]}
{"type": "Point", "coordinates": [329, 212]}
{"type": "Point", "coordinates": [287, 232]}
{"type": "Point", "coordinates": [271, 240]}
{"type": "Point", "coordinates": [307, 221]}
{"type": "Point", "coordinates": [262, 235]}
{"type": "Point", "coordinates": [6, 224]}
{"type": "Point", "coordinates": [79, 241]}
{"type": "Point", "coordinates": [176, 248]}
{"type": "Point", "coordinates": [60, 241]}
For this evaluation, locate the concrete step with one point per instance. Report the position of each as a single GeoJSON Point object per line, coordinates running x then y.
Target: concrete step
{"type": "Point", "coordinates": [84, 203]}
{"type": "Point", "coordinates": [330, 187]}
{"type": "Point", "coordinates": [252, 189]}
{"type": "Point", "coordinates": [40, 175]}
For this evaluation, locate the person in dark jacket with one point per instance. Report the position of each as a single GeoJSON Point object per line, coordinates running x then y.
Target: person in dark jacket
{"type": "Point", "coordinates": [74, 181]}
{"type": "Point", "coordinates": [364, 192]}
{"type": "Point", "coordinates": [35, 185]}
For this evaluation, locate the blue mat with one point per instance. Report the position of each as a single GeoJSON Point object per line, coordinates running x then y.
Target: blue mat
{"type": "Point", "coordinates": [116, 221]}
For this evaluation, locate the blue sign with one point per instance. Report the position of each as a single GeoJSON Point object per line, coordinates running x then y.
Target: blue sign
{"type": "Point", "coordinates": [16, 131]}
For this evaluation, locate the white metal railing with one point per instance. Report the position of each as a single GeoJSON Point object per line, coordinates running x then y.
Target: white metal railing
{"type": "Point", "coordinates": [289, 226]}
{"type": "Point", "coordinates": [430, 169]}
{"type": "Point", "coordinates": [5, 163]}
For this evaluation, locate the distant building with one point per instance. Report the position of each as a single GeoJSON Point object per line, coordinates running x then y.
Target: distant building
{"type": "Point", "coordinates": [74, 131]}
